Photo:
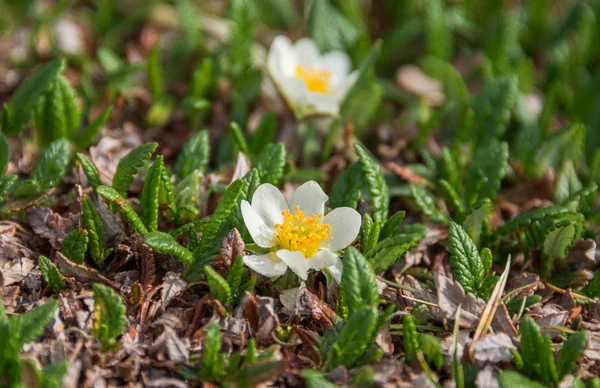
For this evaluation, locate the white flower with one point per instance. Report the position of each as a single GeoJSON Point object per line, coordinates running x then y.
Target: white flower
{"type": "Point", "coordinates": [312, 84]}
{"type": "Point", "coordinates": [297, 235]}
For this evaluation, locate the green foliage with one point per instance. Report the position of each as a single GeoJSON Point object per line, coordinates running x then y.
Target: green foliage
{"type": "Point", "coordinates": [239, 138]}
{"type": "Point", "coordinates": [213, 361]}
{"type": "Point", "coordinates": [571, 351]}
{"type": "Point", "coordinates": [165, 243]}
{"type": "Point", "coordinates": [4, 153]}
{"type": "Point", "coordinates": [347, 188]}
{"type": "Point", "coordinates": [426, 202]}
{"type": "Point", "coordinates": [369, 233]}
{"type": "Point", "coordinates": [514, 306]}
{"type": "Point", "coordinates": [194, 155]}
{"type": "Point", "coordinates": [218, 286]}
{"type": "Point", "coordinates": [51, 274]}
{"type": "Point", "coordinates": [411, 339]}
{"type": "Point", "coordinates": [510, 379]}
{"type": "Point", "coordinates": [592, 289]}
{"type": "Point", "coordinates": [567, 183]}
{"type": "Point", "coordinates": [329, 28]}
{"type": "Point", "coordinates": [90, 170]}
{"type": "Point", "coordinates": [95, 229]}
{"type": "Point", "coordinates": [567, 144]}
{"type": "Point", "coordinates": [251, 182]}
{"type": "Point", "coordinates": [129, 165]}
{"type": "Point", "coordinates": [385, 254]}
{"type": "Point", "coordinates": [488, 169]}
{"type": "Point", "coordinates": [358, 287]}
{"type": "Point", "coordinates": [476, 219]}
{"type": "Point", "coordinates": [149, 198]}
{"type": "Point", "coordinates": [439, 36]}
{"type": "Point", "coordinates": [270, 163]}
{"type": "Point", "coordinates": [492, 109]}
{"type": "Point", "coordinates": [391, 225]}
{"type": "Point", "coordinates": [113, 196]}
{"type": "Point", "coordinates": [377, 186]}
{"type": "Point", "coordinates": [239, 280]}
{"type": "Point", "coordinates": [109, 316]}
{"type": "Point", "coordinates": [264, 134]}
{"type": "Point", "coordinates": [75, 245]}
{"type": "Point", "coordinates": [559, 239]}
{"type": "Point", "coordinates": [7, 182]}
{"type": "Point", "coordinates": [467, 266]}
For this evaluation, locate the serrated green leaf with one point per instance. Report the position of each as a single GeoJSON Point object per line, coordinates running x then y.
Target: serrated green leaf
{"type": "Point", "coordinates": [477, 217]}
{"type": "Point", "coordinates": [217, 285]}
{"type": "Point", "coordinates": [4, 153]}
{"type": "Point", "coordinates": [90, 170]}
{"type": "Point", "coordinates": [51, 274]}
{"type": "Point", "coordinates": [234, 278]}
{"type": "Point", "coordinates": [75, 245]}
{"type": "Point", "coordinates": [358, 287]}
{"type": "Point", "coordinates": [571, 352]}
{"type": "Point", "coordinates": [129, 165]}
{"type": "Point", "coordinates": [592, 289]}
{"type": "Point", "coordinates": [314, 378]}
{"type": "Point", "coordinates": [166, 195]}
{"type": "Point", "coordinates": [149, 198]}
{"type": "Point", "coordinates": [548, 372]}
{"type": "Point", "coordinates": [111, 195]}
{"type": "Point", "coordinates": [7, 182]}
{"type": "Point", "coordinates": [385, 254]}
{"type": "Point", "coordinates": [89, 135]}
{"type": "Point", "coordinates": [487, 259]}
{"type": "Point", "coordinates": [194, 155]}
{"type": "Point", "coordinates": [377, 186]}
{"type": "Point", "coordinates": [155, 77]}
{"type": "Point", "coordinates": [430, 346]}
{"type": "Point", "coordinates": [32, 324]}
{"type": "Point", "coordinates": [489, 167]}
{"type": "Point", "coordinates": [369, 233]}
{"type": "Point", "coordinates": [109, 316]}
{"type": "Point", "coordinates": [514, 306]}
{"type": "Point", "coordinates": [212, 363]}
{"type": "Point", "coordinates": [453, 199]}
{"type": "Point", "coordinates": [95, 229]}
{"type": "Point", "coordinates": [439, 36]}
{"type": "Point", "coordinates": [52, 166]}
{"type": "Point", "coordinates": [510, 379]}
{"type": "Point", "coordinates": [51, 116]}
{"type": "Point", "coordinates": [467, 267]}
{"type": "Point", "coordinates": [532, 345]}
{"type": "Point", "coordinates": [239, 138]}
{"type": "Point", "coordinates": [52, 375]}
{"type": "Point", "coordinates": [492, 109]}
{"type": "Point", "coordinates": [567, 183]}
{"type": "Point", "coordinates": [391, 225]}
{"type": "Point", "coordinates": [71, 107]}
{"type": "Point", "coordinates": [411, 339]}
{"type": "Point", "coordinates": [165, 243]}
{"type": "Point", "coordinates": [559, 239]}
{"type": "Point", "coordinates": [567, 144]}
{"type": "Point", "coordinates": [224, 208]}
{"type": "Point", "coordinates": [27, 96]}
{"type": "Point", "coordinates": [329, 28]}
{"type": "Point", "coordinates": [270, 163]}
{"type": "Point", "coordinates": [427, 203]}
{"type": "Point", "coordinates": [264, 134]}
{"type": "Point", "coordinates": [526, 219]}
{"type": "Point", "coordinates": [346, 189]}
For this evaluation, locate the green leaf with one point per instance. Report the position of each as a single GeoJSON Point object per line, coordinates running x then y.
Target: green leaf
{"type": "Point", "coordinates": [532, 344]}
{"type": "Point", "coordinates": [559, 239]}
{"type": "Point", "coordinates": [51, 274]}
{"type": "Point", "coordinates": [33, 323]}
{"type": "Point", "coordinates": [354, 339]}
{"type": "Point", "coordinates": [430, 346]}
{"type": "Point", "coordinates": [212, 363]}
{"type": "Point", "coordinates": [90, 170]}
{"type": "Point", "coordinates": [369, 233]}
{"type": "Point", "coordinates": [439, 35]}
{"type": "Point", "coordinates": [453, 199]}
{"type": "Point", "coordinates": [358, 287]}
{"type": "Point", "coordinates": [467, 267]}
{"type": "Point", "coordinates": [428, 204]}
{"type": "Point", "coordinates": [244, 17]}
{"type": "Point", "coordinates": [109, 315]}
{"type": "Point", "coordinates": [26, 98]}
{"type": "Point", "coordinates": [568, 144]}
{"type": "Point", "coordinates": [52, 166]}
{"type": "Point", "coordinates": [489, 167]}
{"type": "Point", "coordinates": [314, 378]}
{"type": "Point", "coordinates": [548, 372]}
{"type": "Point", "coordinates": [411, 339]}
{"type": "Point", "coordinates": [347, 188]}
{"type": "Point", "coordinates": [53, 374]}
{"type": "Point", "coordinates": [166, 195]}
{"type": "Point", "coordinates": [71, 107]}
{"type": "Point", "coordinates": [95, 229]}
{"type": "Point", "coordinates": [149, 198]}
{"type": "Point", "coordinates": [165, 243]}
{"type": "Point", "coordinates": [111, 195]}
{"type": "Point", "coordinates": [234, 278]}
{"type": "Point", "coordinates": [477, 218]}
{"type": "Point", "coordinates": [510, 379]}
{"type": "Point", "coordinates": [51, 115]}
{"type": "Point", "coordinates": [194, 155]}
{"type": "Point", "coordinates": [592, 289]}
{"type": "Point", "coordinates": [239, 138]}
{"type": "Point", "coordinates": [377, 186]}
{"type": "Point", "coordinates": [7, 182]}
{"type": "Point", "coordinates": [492, 109]}
{"type": "Point", "coordinates": [155, 77]}
{"type": "Point", "coordinates": [567, 183]}
{"type": "Point", "coordinates": [514, 306]}
{"type": "Point", "coordinates": [391, 225]}
{"type": "Point", "coordinates": [329, 28]}
{"type": "Point", "coordinates": [571, 352]}
{"type": "Point", "coordinates": [4, 153]}
{"type": "Point", "coordinates": [89, 135]}
{"type": "Point", "coordinates": [75, 245]}
{"type": "Point", "coordinates": [270, 163]}
{"type": "Point", "coordinates": [209, 241]}
{"type": "Point", "coordinates": [487, 259]}
{"type": "Point", "coordinates": [129, 165]}
{"type": "Point", "coordinates": [264, 134]}
{"type": "Point", "coordinates": [385, 254]}
{"type": "Point", "coordinates": [217, 285]}
{"type": "Point", "coordinates": [526, 219]}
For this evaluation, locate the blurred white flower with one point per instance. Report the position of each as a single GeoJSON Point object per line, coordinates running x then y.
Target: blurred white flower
{"type": "Point", "coordinates": [297, 234]}
{"type": "Point", "coordinates": [312, 84]}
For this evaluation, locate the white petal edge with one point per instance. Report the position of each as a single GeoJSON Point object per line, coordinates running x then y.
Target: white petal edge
{"type": "Point", "coordinates": [336, 270]}
{"type": "Point", "coordinates": [264, 265]}
{"type": "Point", "coordinates": [296, 261]}
{"type": "Point", "coordinates": [322, 259]}
{"type": "Point", "coordinates": [261, 233]}
{"type": "Point", "coordinates": [307, 53]}
{"type": "Point", "coordinates": [268, 203]}
{"type": "Point", "coordinates": [310, 197]}
{"type": "Point", "coordinates": [345, 225]}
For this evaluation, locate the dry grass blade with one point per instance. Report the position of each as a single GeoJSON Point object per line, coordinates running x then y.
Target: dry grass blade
{"type": "Point", "coordinates": [492, 305]}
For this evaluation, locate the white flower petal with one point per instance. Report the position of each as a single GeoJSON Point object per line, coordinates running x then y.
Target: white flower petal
{"type": "Point", "coordinates": [337, 63]}
{"type": "Point", "coordinates": [345, 86]}
{"type": "Point", "coordinates": [296, 261]}
{"type": "Point", "coordinates": [322, 259]}
{"type": "Point", "coordinates": [265, 265]}
{"type": "Point", "coordinates": [268, 203]}
{"type": "Point", "coordinates": [307, 53]}
{"type": "Point", "coordinates": [336, 270]}
{"type": "Point", "coordinates": [261, 233]}
{"type": "Point", "coordinates": [345, 225]}
{"type": "Point", "coordinates": [310, 198]}
{"type": "Point", "coordinates": [294, 90]}
{"type": "Point", "coordinates": [324, 104]}
{"type": "Point", "coordinates": [282, 57]}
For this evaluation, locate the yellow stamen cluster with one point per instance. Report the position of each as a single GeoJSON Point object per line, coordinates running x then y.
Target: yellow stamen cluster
{"type": "Point", "coordinates": [316, 80]}
{"type": "Point", "coordinates": [301, 233]}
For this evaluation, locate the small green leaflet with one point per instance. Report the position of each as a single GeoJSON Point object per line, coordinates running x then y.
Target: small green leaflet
{"type": "Point", "coordinates": [218, 286]}
{"type": "Point", "coordinates": [329, 27]}
{"type": "Point", "coordinates": [567, 183]}
{"type": "Point", "coordinates": [270, 163]}
{"type": "Point", "coordinates": [427, 203]}
{"type": "Point", "coordinates": [149, 198]}
{"type": "Point", "coordinates": [511, 379]}
{"type": "Point", "coordinates": [346, 190]}
{"type": "Point", "coordinates": [51, 274]}
{"type": "Point", "coordinates": [95, 229]}
{"type": "Point", "coordinates": [165, 243]}
{"type": "Point", "coordinates": [492, 108]}
{"type": "Point", "coordinates": [559, 239]}
{"type": "Point", "coordinates": [4, 153]}
{"type": "Point", "coordinates": [129, 165]}
{"type": "Point", "coordinates": [369, 233]}
{"type": "Point", "coordinates": [85, 139]}
{"type": "Point", "coordinates": [358, 287]}
{"type": "Point", "coordinates": [194, 155]}
{"type": "Point", "coordinates": [111, 195]}
{"type": "Point", "coordinates": [489, 167]}
{"type": "Point", "coordinates": [109, 315]}
{"type": "Point", "coordinates": [567, 144]}
{"type": "Point", "coordinates": [476, 218]}
{"type": "Point", "coordinates": [212, 362]}
{"type": "Point", "coordinates": [33, 323]}
{"type": "Point", "coordinates": [387, 252]}
{"type": "Point", "coordinates": [90, 170]}
{"type": "Point", "coordinates": [75, 245]}
{"type": "Point", "coordinates": [467, 267]}
{"type": "Point", "coordinates": [571, 352]}
{"type": "Point", "coordinates": [391, 225]}
{"type": "Point", "coordinates": [264, 134]}
{"type": "Point", "coordinates": [239, 138]}
{"type": "Point", "coordinates": [377, 186]}
{"type": "Point", "coordinates": [411, 339]}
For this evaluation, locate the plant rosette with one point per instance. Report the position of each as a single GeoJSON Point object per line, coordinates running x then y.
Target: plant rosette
{"type": "Point", "coordinates": [311, 83]}
{"type": "Point", "coordinates": [297, 235]}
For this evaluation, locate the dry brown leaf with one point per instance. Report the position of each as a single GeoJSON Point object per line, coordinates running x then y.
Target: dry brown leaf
{"type": "Point", "coordinates": [81, 272]}
{"type": "Point", "coordinates": [493, 348]}
{"type": "Point", "coordinates": [451, 294]}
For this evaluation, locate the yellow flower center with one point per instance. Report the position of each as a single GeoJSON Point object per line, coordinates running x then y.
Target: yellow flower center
{"type": "Point", "coordinates": [301, 233]}
{"type": "Point", "coordinates": [315, 80]}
